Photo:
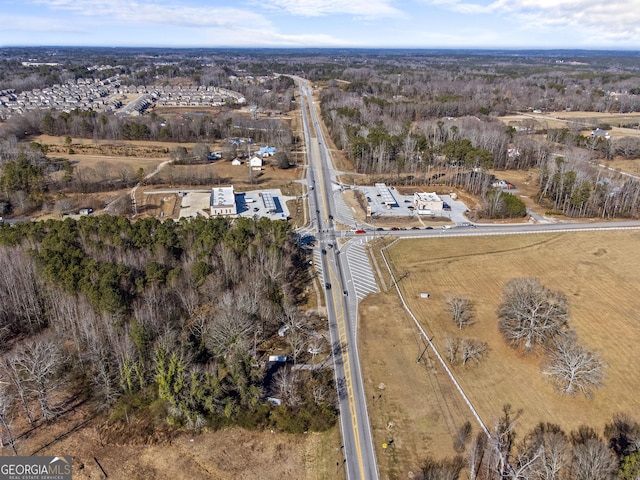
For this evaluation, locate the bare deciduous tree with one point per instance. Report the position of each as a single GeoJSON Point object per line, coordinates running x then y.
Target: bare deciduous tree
{"type": "Point", "coordinates": [550, 450]}
{"type": "Point", "coordinates": [531, 315]}
{"type": "Point", "coordinates": [452, 345]}
{"type": "Point", "coordinates": [16, 379]}
{"type": "Point", "coordinates": [593, 460]}
{"type": "Point", "coordinates": [229, 331]}
{"type": "Point", "coordinates": [6, 419]}
{"type": "Point", "coordinates": [472, 350]}
{"type": "Point", "coordinates": [287, 380]}
{"type": "Point", "coordinates": [40, 361]}
{"type": "Point", "coordinates": [461, 310]}
{"type": "Point", "coordinates": [502, 441]}
{"type": "Point", "coordinates": [296, 341]}
{"type": "Point", "coordinates": [476, 455]}
{"type": "Point", "coordinates": [574, 368]}
{"type": "Point", "coordinates": [464, 350]}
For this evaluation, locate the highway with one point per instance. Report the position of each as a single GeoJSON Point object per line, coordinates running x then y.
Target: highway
{"type": "Point", "coordinates": [341, 301]}
{"type": "Point", "coordinates": [359, 453]}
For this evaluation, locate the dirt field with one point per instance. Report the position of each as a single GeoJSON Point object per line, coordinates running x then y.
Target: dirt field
{"type": "Point", "coordinates": [598, 274]}
{"type": "Point", "coordinates": [224, 455]}
{"type": "Point", "coordinates": [564, 119]}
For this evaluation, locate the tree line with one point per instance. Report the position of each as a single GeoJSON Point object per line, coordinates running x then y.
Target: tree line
{"type": "Point", "coordinates": [546, 452]}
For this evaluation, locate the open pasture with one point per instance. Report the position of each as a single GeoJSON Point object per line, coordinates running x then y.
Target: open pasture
{"type": "Point", "coordinates": [596, 270]}
{"type": "Point", "coordinates": [598, 273]}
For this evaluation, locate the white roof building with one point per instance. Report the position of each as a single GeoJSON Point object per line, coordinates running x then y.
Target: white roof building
{"type": "Point", "coordinates": [427, 201]}
{"type": "Point", "coordinates": [223, 202]}
{"type": "Point", "coordinates": [255, 162]}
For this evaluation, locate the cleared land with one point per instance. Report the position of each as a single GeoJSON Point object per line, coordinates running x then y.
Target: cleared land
{"type": "Point", "coordinates": [138, 451]}
{"type": "Point", "coordinates": [596, 270]}
{"type": "Point", "coordinates": [568, 119]}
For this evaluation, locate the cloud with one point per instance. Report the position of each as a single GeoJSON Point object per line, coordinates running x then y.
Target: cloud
{"type": "Point", "coordinates": [316, 8]}
{"type": "Point", "coordinates": [248, 38]}
{"type": "Point", "coordinates": [38, 24]}
{"type": "Point", "coordinates": [617, 20]}
{"type": "Point", "coordinates": [148, 13]}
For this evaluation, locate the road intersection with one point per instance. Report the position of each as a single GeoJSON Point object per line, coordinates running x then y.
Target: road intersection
{"type": "Point", "coordinates": [347, 276]}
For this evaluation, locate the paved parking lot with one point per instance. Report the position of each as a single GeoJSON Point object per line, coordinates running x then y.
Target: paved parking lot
{"type": "Point", "coordinates": [248, 204]}
{"type": "Point", "coordinates": [404, 206]}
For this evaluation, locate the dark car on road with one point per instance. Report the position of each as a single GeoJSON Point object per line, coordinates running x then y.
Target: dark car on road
{"type": "Point", "coordinates": [327, 286]}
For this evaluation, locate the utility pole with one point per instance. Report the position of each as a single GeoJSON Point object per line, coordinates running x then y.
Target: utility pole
{"type": "Point", "coordinates": [426, 347]}
{"type": "Point", "coordinates": [404, 275]}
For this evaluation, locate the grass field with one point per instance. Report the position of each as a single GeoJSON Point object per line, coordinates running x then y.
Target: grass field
{"type": "Point", "coordinates": [596, 270]}
{"type": "Point", "coordinates": [221, 455]}
{"type": "Point", "coordinates": [566, 119]}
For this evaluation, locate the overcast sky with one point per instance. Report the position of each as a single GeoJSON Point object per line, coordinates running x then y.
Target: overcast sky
{"type": "Point", "coordinates": [513, 24]}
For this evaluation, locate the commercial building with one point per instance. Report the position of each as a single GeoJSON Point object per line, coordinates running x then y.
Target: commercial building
{"type": "Point", "coordinates": [427, 201]}
{"type": "Point", "coordinates": [223, 202]}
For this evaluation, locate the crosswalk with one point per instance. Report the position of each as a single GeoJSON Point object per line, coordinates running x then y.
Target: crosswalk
{"type": "Point", "coordinates": [360, 272]}
{"type": "Point", "coordinates": [364, 282]}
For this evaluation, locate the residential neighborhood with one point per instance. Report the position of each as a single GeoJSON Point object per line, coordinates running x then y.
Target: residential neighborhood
{"type": "Point", "coordinates": [108, 95]}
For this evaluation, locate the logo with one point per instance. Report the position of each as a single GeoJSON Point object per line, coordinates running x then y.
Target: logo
{"type": "Point", "coordinates": [35, 468]}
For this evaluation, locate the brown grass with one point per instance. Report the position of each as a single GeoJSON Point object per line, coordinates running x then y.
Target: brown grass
{"type": "Point", "coordinates": [563, 119]}
{"type": "Point", "coordinates": [596, 270]}
{"type": "Point", "coordinates": [223, 455]}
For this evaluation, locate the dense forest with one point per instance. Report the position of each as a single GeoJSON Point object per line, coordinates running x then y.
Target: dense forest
{"type": "Point", "coordinates": [170, 320]}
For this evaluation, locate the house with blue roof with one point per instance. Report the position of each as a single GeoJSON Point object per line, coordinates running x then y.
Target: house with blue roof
{"type": "Point", "coordinates": [267, 151]}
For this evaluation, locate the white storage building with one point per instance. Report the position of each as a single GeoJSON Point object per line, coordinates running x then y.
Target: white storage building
{"type": "Point", "coordinates": [223, 202]}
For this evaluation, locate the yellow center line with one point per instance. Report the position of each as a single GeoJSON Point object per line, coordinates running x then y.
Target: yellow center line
{"type": "Point", "coordinates": [342, 333]}
{"type": "Point", "coordinates": [315, 146]}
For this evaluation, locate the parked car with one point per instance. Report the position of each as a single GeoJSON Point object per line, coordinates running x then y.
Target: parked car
{"type": "Point", "coordinates": [446, 206]}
